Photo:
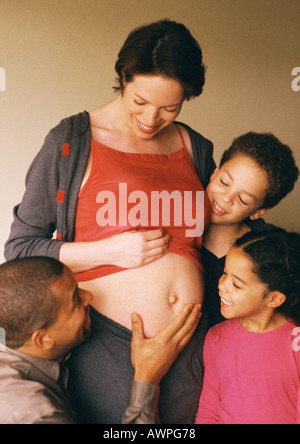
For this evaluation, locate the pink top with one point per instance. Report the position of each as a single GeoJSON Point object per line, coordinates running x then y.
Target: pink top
{"type": "Point", "coordinates": [250, 378]}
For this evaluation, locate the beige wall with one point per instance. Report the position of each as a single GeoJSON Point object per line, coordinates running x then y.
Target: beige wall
{"type": "Point", "coordinates": [58, 56]}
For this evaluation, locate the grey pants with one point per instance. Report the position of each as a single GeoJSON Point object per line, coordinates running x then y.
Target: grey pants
{"type": "Point", "coordinates": [101, 373]}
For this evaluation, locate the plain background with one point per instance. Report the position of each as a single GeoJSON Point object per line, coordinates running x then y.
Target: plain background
{"type": "Point", "coordinates": [59, 58]}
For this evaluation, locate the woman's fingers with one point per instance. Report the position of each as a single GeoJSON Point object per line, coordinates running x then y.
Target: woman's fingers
{"type": "Point", "coordinates": [133, 249]}
{"type": "Point", "coordinates": [153, 245]}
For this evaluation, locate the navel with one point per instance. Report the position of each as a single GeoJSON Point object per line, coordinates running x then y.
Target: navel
{"type": "Point", "coordinates": [173, 298]}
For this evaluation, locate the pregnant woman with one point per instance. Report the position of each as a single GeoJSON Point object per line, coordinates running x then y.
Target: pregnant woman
{"type": "Point", "coordinates": [123, 186]}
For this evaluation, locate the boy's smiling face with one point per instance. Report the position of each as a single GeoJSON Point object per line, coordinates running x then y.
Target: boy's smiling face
{"type": "Point", "coordinates": [237, 191]}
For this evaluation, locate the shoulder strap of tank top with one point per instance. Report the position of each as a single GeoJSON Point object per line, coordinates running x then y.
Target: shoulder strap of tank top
{"type": "Point", "coordinates": [181, 136]}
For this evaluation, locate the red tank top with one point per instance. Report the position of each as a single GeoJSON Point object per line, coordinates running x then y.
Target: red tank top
{"type": "Point", "coordinates": [127, 191]}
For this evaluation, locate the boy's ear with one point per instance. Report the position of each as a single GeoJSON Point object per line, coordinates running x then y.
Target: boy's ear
{"type": "Point", "coordinates": [276, 299]}
{"type": "Point", "coordinates": [259, 213]}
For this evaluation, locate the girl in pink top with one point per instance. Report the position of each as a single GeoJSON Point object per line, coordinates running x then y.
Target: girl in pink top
{"type": "Point", "coordinates": [252, 360]}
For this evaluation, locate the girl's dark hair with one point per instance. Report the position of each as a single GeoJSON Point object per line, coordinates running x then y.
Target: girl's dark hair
{"type": "Point", "coordinates": [162, 48]}
{"type": "Point", "coordinates": [275, 254]}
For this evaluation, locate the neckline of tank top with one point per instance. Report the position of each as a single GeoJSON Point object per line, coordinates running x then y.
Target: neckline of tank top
{"type": "Point", "coordinates": [150, 157]}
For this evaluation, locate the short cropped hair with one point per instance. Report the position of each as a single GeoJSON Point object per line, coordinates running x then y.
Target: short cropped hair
{"type": "Point", "coordinates": [162, 48]}
{"type": "Point", "coordinates": [26, 301]}
{"type": "Point", "coordinates": [273, 157]}
{"type": "Point", "coordinates": [275, 254]}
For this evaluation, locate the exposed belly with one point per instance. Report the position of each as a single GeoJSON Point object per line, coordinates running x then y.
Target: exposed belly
{"type": "Point", "coordinates": [157, 292]}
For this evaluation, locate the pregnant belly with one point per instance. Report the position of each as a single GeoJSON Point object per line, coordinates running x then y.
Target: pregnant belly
{"type": "Point", "coordinates": [157, 292]}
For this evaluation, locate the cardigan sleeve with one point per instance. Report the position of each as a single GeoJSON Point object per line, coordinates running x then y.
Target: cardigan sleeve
{"type": "Point", "coordinates": [203, 154]}
{"type": "Point", "coordinates": [52, 185]}
{"type": "Point", "coordinates": [35, 217]}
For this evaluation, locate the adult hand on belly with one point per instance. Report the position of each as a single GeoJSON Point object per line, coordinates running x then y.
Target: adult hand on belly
{"type": "Point", "coordinates": [152, 358]}
{"type": "Point", "coordinates": [133, 249]}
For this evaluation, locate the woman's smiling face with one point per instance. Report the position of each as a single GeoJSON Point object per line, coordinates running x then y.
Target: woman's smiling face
{"type": "Point", "coordinates": [237, 191]}
{"type": "Point", "coordinates": [151, 103]}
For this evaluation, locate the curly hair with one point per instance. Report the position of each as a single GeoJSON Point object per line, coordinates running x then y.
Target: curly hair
{"type": "Point", "coordinates": [26, 301]}
{"type": "Point", "coordinates": [275, 254]}
{"type": "Point", "coordinates": [162, 48]}
{"type": "Point", "coordinates": [273, 157]}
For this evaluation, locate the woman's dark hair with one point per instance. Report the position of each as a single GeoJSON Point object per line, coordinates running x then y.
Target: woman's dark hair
{"type": "Point", "coordinates": [275, 254]}
{"type": "Point", "coordinates": [273, 157]}
{"type": "Point", "coordinates": [162, 48]}
{"type": "Point", "coordinates": [26, 301]}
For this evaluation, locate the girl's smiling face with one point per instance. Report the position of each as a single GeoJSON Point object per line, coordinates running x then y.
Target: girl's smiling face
{"type": "Point", "coordinates": [241, 293]}
{"type": "Point", "coordinates": [237, 191]}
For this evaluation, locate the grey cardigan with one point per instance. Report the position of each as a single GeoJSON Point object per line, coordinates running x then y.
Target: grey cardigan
{"type": "Point", "coordinates": [53, 182]}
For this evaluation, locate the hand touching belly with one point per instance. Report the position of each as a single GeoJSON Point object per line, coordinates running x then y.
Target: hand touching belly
{"type": "Point", "coordinates": [157, 292]}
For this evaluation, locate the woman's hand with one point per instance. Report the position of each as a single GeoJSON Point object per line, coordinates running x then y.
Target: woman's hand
{"type": "Point", "coordinates": [133, 249]}
{"type": "Point", "coordinates": [152, 358]}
